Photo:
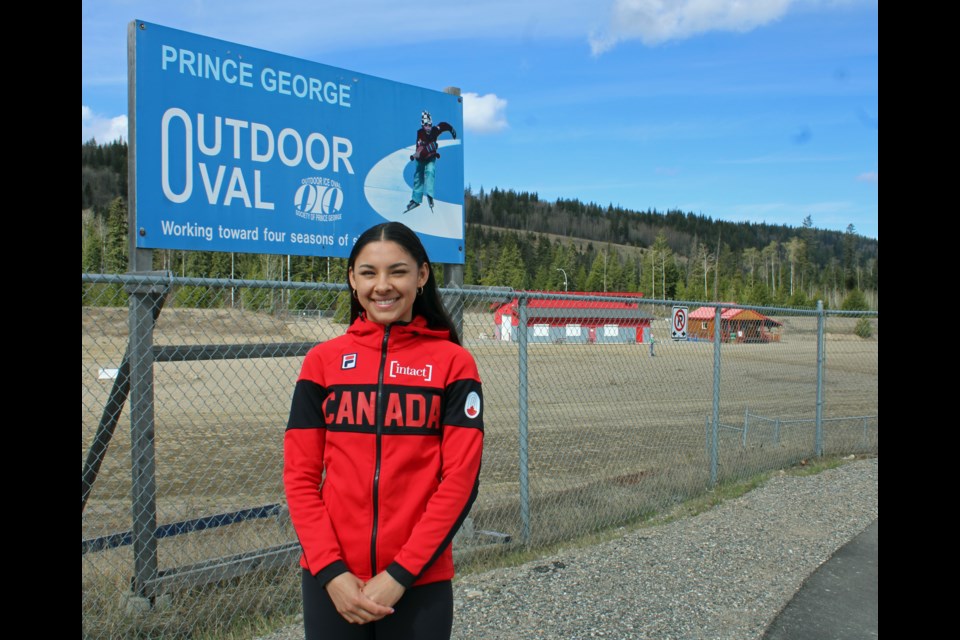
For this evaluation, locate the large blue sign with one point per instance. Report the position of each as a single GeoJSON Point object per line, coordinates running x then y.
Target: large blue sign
{"type": "Point", "coordinates": [240, 149]}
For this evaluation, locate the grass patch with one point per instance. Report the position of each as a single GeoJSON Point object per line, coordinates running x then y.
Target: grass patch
{"type": "Point", "coordinates": [246, 606]}
{"type": "Point", "coordinates": [719, 494]}
{"type": "Point", "coordinates": [251, 627]}
{"type": "Point", "coordinates": [813, 467]}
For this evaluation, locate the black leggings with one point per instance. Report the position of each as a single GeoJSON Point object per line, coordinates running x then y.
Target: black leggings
{"type": "Point", "coordinates": [423, 613]}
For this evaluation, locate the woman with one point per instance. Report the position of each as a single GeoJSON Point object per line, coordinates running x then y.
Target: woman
{"type": "Point", "coordinates": [382, 452]}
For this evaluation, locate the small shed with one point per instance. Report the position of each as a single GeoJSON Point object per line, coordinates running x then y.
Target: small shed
{"type": "Point", "coordinates": [736, 325]}
{"type": "Point", "coordinates": [561, 320]}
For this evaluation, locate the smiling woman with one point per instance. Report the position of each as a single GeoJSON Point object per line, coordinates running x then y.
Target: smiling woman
{"type": "Point", "coordinates": [386, 281]}
{"type": "Point", "coordinates": [382, 452]}
{"type": "Point", "coordinates": [427, 302]}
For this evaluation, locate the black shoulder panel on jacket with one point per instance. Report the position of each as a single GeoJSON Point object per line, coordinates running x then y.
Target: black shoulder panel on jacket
{"type": "Point", "coordinates": [463, 404]}
{"type": "Point", "coordinates": [306, 408]}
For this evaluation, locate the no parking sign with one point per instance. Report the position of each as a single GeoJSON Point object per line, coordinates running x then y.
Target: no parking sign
{"type": "Point", "coordinates": [678, 328]}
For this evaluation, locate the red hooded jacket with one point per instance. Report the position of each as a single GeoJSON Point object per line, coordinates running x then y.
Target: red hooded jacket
{"type": "Point", "coordinates": [382, 452]}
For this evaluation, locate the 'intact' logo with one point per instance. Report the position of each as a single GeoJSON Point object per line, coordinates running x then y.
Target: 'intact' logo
{"type": "Point", "coordinates": [425, 372]}
{"type": "Point", "coordinates": [349, 361]}
{"type": "Point", "coordinates": [472, 406]}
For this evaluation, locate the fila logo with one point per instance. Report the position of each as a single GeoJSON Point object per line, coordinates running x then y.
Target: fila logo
{"type": "Point", "coordinates": [349, 361]}
{"type": "Point", "coordinates": [425, 372]}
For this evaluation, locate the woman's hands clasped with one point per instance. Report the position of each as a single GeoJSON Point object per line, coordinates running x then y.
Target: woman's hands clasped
{"type": "Point", "coordinates": [359, 602]}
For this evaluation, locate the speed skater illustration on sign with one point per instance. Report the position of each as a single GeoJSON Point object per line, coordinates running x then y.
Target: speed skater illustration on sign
{"type": "Point", "coordinates": [426, 156]}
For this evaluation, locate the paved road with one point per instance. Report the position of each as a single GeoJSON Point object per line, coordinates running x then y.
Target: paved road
{"type": "Point", "coordinates": [840, 600]}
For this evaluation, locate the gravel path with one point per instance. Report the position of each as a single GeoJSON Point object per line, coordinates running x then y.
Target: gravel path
{"type": "Point", "coordinates": [722, 574]}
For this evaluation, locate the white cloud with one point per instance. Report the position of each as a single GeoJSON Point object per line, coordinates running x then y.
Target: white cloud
{"type": "Point", "coordinates": [484, 114]}
{"type": "Point", "coordinates": [104, 129]}
{"type": "Point", "coordinates": [869, 176]}
{"type": "Point", "coordinates": [656, 21]}
{"type": "Point", "coordinates": [307, 28]}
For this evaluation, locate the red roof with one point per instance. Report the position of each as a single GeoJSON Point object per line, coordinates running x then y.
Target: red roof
{"type": "Point", "coordinates": [559, 303]}
{"type": "Point", "coordinates": [709, 313]}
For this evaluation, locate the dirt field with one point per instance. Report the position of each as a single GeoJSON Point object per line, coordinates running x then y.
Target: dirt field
{"type": "Point", "coordinates": [595, 411]}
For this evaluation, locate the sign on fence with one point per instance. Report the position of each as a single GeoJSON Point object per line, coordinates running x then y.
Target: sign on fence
{"type": "Point", "coordinates": [240, 149]}
{"type": "Point", "coordinates": [678, 328]}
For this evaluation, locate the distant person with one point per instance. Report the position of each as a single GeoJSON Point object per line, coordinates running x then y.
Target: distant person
{"type": "Point", "coordinates": [382, 452]}
{"type": "Point", "coordinates": [425, 155]}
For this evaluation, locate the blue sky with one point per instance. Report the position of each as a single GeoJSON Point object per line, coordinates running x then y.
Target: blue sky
{"type": "Point", "coordinates": [756, 110]}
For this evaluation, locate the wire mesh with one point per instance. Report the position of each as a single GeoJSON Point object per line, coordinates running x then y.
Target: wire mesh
{"type": "Point", "coordinates": [594, 417]}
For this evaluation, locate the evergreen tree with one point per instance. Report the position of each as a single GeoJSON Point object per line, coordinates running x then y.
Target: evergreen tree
{"type": "Point", "coordinates": [93, 242]}
{"type": "Point", "coordinates": [116, 254]}
{"type": "Point", "coordinates": [509, 271]}
{"type": "Point", "coordinates": [750, 258]}
{"type": "Point", "coordinates": [632, 275]}
{"type": "Point", "coordinates": [808, 267]}
{"type": "Point", "coordinates": [616, 277]}
{"type": "Point", "coordinates": [855, 301]}
{"type": "Point", "coordinates": [758, 294]}
{"type": "Point", "coordinates": [850, 262]}
{"type": "Point", "coordinates": [565, 258]}
{"type": "Point", "coordinates": [469, 271]}
{"type": "Point", "coordinates": [596, 277]}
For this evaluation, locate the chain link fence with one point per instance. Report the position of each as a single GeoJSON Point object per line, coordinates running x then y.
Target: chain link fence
{"type": "Point", "coordinates": [594, 417]}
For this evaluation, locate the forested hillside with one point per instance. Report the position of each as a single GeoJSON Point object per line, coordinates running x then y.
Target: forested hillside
{"type": "Point", "coordinates": [518, 240]}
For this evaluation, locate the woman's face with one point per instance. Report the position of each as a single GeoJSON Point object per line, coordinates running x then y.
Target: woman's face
{"type": "Point", "coordinates": [386, 279]}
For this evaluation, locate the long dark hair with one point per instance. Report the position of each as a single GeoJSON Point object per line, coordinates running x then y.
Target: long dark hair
{"type": "Point", "coordinates": [428, 304]}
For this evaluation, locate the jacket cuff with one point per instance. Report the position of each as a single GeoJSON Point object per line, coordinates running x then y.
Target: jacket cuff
{"type": "Point", "coordinates": [331, 571]}
{"type": "Point", "coordinates": [401, 575]}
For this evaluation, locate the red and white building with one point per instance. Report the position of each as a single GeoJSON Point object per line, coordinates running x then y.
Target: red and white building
{"type": "Point", "coordinates": [560, 320]}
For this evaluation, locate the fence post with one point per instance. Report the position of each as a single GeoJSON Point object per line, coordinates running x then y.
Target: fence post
{"type": "Point", "coordinates": [453, 273]}
{"type": "Point", "coordinates": [144, 299]}
{"type": "Point", "coordinates": [776, 431]}
{"type": "Point", "coordinates": [524, 464]}
{"type": "Point", "coordinates": [453, 299]}
{"type": "Point", "coordinates": [716, 394]}
{"type": "Point", "coordinates": [821, 348]}
{"type": "Point", "coordinates": [710, 440]}
{"type": "Point", "coordinates": [108, 421]}
{"type": "Point", "coordinates": [746, 424]}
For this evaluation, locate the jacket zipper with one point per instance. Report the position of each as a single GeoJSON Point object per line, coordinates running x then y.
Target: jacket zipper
{"type": "Point", "coordinates": [381, 409]}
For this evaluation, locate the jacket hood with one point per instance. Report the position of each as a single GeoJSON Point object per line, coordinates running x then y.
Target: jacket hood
{"type": "Point", "coordinates": [401, 333]}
